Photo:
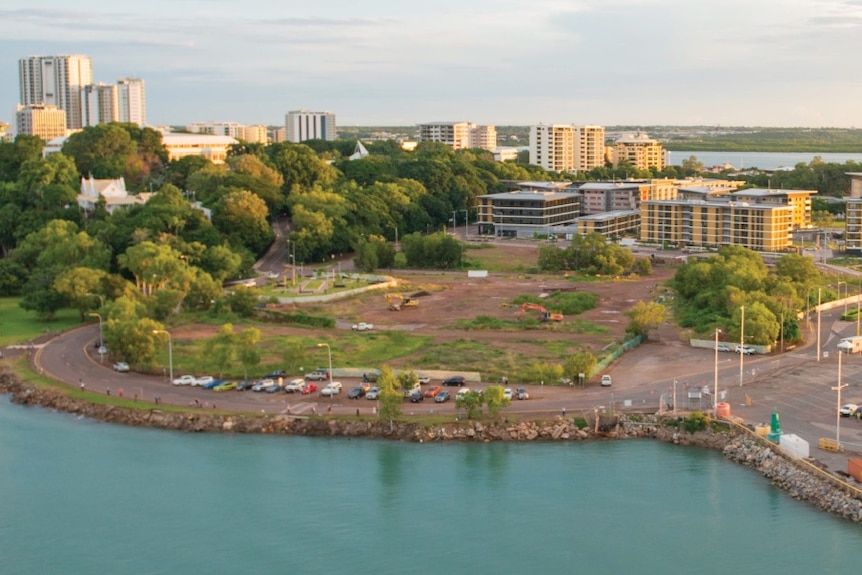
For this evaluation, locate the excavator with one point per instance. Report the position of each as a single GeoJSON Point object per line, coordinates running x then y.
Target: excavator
{"type": "Point", "coordinates": [397, 302]}
{"type": "Point", "coordinates": [546, 315]}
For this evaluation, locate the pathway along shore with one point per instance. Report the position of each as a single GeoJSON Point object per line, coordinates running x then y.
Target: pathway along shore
{"type": "Point", "coordinates": [800, 482]}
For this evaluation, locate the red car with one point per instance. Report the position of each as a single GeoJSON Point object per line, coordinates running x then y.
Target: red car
{"type": "Point", "coordinates": [309, 388]}
{"type": "Point", "coordinates": [432, 392]}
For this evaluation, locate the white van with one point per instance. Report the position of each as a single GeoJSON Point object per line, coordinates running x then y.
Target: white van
{"type": "Point", "coordinates": [606, 380]}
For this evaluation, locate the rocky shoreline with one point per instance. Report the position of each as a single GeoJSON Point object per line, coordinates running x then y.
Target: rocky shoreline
{"type": "Point", "coordinates": [785, 473]}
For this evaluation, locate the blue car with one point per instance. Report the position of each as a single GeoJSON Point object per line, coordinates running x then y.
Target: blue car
{"type": "Point", "coordinates": [213, 384]}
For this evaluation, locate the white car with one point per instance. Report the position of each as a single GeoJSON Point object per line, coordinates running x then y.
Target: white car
{"type": "Point", "coordinates": [606, 380]}
{"type": "Point", "coordinates": [262, 384]}
{"type": "Point", "coordinates": [744, 349]}
{"type": "Point", "coordinates": [203, 380]}
{"type": "Point", "coordinates": [847, 409]}
{"type": "Point", "coordinates": [462, 392]}
{"type": "Point", "coordinates": [331, 389]}
{"type": "Point", "coordinates": [424, 380]}
{"type": "Point", "coordinates": [272, 275]}
{"type": "Point", "coordinates": [185, 380]}
{"type": "Point", "coordinates": [507, 393]}
{"type": "Point", "coordinates": [121, 366]}
{"type": "Point", "coordinates": [362, 326]}
{"type": "Point", "coordinates": [295, 386]}
{"type": "Point", "coordinates": [373, 393]}
{"type": "Point", "coordinates": [722, 347]}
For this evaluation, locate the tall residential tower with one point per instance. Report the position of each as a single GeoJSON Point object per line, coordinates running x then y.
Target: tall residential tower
{"type": "Point", "coordinates": [55, 81]}
{"type": "Point", "coordinates": [304, 125]}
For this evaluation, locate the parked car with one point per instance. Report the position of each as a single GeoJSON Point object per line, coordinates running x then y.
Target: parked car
{"type": "Point", "coordinates": [184, 380]}
{"type": "Point", "coordinates": [317, 375]}
{"type": "Point", "coordinates": [370, 377]}
{"type": "Point", "coordinates": [442, 397]}
{"type": "Point", "coordinates": [213, 384]}
{"type": "Point", "coordinates": [521, 393]}
{"type": "Point", "coordinates": [203, 380]}
{"type": "Point", "coordinates": [722, 347]}
{"type": "Point", "coordinates": [848, 409]}
{"type": "Point", "coordinates": [262, 384]}
{"type": "Point", "coordinates": [424, 379]}
{"type": "Point", "coordinates": [275, 374]}
{"type": "Point", "coordinates": [744, 349]}
{"type": "Point", "coordinates": [331, 389]}
{"type": "Point", "coordinates": [373, 393]}
{"type": "Point", "coordinates": [272, 388]}
{"type": "Point", "coordinates": [294, 386]}
{"type": "Point", "coordinates": [462, 392]}
{"type": "Point", "coordinates": [309, 388]}
{"type": "Point", "coordinates": [244, 385]}
{"type": "Point", "coordinates": [606, 380]}
{"type": "Point", "coordinates": [433, 391]}
{"type": "Point", "coordinates": [858, 413]}
{"type": "Point", "coordinates": [416, 397]}
{"type": "Point", "coordinates": [121, 366]}
{"type": "Point", "coordinates": [415, 389]}
{"type": "Point", "coordinates": [507, 393]}
{"type": "Point", "coordinates": [355, 392]}
{"type": "Point", "coordinates": [226, 386]}
{"type": "Point", "coordinates": [272, 275]}
{"type": "Point", "coordinates": [454, 381]}
{"type": "Point", "coordinates": [362, 326]}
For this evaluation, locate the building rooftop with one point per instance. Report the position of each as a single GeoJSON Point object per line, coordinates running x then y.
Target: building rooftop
{"type": "Point", "coordinates": [762, 192]}
{"type": "Point", "coordinates": [609, 186]}
{"type": "Point", "coordinates": [604, 216]}
{"type": "Point", "coordinates": [529, 195]}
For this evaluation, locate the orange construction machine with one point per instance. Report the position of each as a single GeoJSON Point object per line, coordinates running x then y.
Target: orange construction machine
{"type": "Point", "coordinates": [546, 315]}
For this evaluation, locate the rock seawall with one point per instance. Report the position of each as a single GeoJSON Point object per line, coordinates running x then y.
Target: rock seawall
{"type": "Point", "coordinates": [785, 473]}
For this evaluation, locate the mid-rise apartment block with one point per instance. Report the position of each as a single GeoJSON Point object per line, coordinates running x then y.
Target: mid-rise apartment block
{"type": "Point", "coordinates": [99, 104]}
{"type": "Point", "coordinates": [565, 147]}
{"type": "Point", "coordinates": [256, 134]}
{"type": "Point", "coordinates": [131, 101]}
{"type": "Point", "coordinates": [303, 125]}
{"type": "Point", "coordinates": [639, 151]}
{"type": "Point", "coordinates": [55, 81]}
{"type": "Point", "coordinates": [799, 200]}
{"type": "Point", "coordinates": [853, 214]}
{"type": "Point", "coordinates": [459, 135]}
{"type": "Point", "coordinates": [46, 122]}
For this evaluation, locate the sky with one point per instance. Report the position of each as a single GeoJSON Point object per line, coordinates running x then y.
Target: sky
{"type": "Point", "coordinates": [502, 62]}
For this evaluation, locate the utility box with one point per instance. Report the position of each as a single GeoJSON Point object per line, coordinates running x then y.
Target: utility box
{"type": "Point", "coordinates": [794, 445]}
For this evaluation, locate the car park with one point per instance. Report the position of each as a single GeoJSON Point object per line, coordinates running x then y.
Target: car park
{"type": "Point", "coordinates": [442, 397]}
{"type": "Point", "coordinates": [606, 380]}
{"type": "Point", "coordinates": [454, 381]}
{"type": "Point", "coordinates": [507, 393]}
{"type": "Point", "coordinates": [203, 380]}
{"type": "Point", "coordinates": [121, 366]}
{"type": "Point", "coordinates": [433, 391]}
{"type": "Point", "coordinates": [744, 349]}
{"type": "Point", "coordinates": [521, 393]}
{"type": "Point", "coordinates": [294, 386]}
{"type": "Point", "coordinates": [317, 375]}
{"type": "Point", "coordinates": [416, 397]}
{"type": "Point", "coordinates": [309, 388]}
{"type": "Point", "coordinates": [848, 409]}
{"type": "Point", "coordinates": [184, 380]}
{"type": "Point", "coordinates": [226, 386]}
{"type": "Point", "coordinates": [331, 389]}
{"type": "Point", "coordinates": [373, 393]}
{"type": "Point", "coordinates": [355, 392]}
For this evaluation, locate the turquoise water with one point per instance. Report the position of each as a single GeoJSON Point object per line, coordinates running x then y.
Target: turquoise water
{"type": "Point", "coordinates": [80, 497]}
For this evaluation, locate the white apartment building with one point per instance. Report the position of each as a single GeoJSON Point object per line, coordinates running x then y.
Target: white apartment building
{"type": "Point", "coordinates": [55, 81]}
{"type": "Point", "coordinates": [256, 134]}
{"type": "Point", "coordinates": [567, 148]}
{"type": "Point", "coordinates": [303, 125]}
{"type": "Point", "coordinates": [47, 122]}
{"type": "Point", "coordinates": [99, 104]}
{"type": "Point", "coordinates": [459, 135]}
{"type": "Point", "coordinates": [132, 101]}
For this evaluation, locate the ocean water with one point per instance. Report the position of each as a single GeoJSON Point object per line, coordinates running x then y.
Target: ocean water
{"type": "Point", "coordinates": [762, 160]}
{"type": "Point", "coordinates": [81, 497]}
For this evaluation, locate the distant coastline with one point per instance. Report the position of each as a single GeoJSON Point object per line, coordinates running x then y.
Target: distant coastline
{"type": "Point", "coordinates": [760, 160]}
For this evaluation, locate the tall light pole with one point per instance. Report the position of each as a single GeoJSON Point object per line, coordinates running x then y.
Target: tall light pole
{"type": "Point", "coordinates": [741, 341]}
{"type": "Point", "coordinates": [819, 291]}
{"type": "Point", "coordinates": [715, 390]}
{"type": "Point", "coordinates": [858, 296]}
{"type": "Point", "coordinates": [170, 352]}
{"type": "Point", "coordinates": [329, 351]}
{"type": "Point", "coordinates": [454, 222]}
{"type": "Point", "coordinates": [838, 388]}
{"type": "Point", "coordinates": [101, 337]}
{"type": "Point", "coordinates": [466, 221]}
{"type": "Point", "coordinates": [845, 294]}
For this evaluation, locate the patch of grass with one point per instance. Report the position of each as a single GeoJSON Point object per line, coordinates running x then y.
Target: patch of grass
{"type": "Point", "coordinates": [464, 355]}
{"type": "Point", "coordinates": [566, 303]}
{"type": "Point", "coordinates": [18, 325]}
{"type": "Point", "coordinates": [499, 259]}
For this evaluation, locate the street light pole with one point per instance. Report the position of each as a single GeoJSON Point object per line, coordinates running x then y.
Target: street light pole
{"type": "Point", "coordinates": [101, 337]}
{"type": "Point", "coordinates": [170, 352]}
{"type": "Point", "coordinates": [715, 390]}
{"type": "Point", "coordinates": [838, 388]}
{"type": "Point", "coordinates": [329, 351]}
{"type": "Point", "coordinates": [466, 222]}
{"type": "Point", "coordinates": [819, 292]}
{"type": "Point", "coordinates": [845, 294]}
{"type": "Point", "coordinates": [454, 222]}
{"type": "Point", "coordinates": [741, 341]}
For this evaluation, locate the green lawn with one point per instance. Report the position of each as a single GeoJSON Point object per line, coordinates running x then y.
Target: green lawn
{"type": "Point", "coordinates": [20, 326]}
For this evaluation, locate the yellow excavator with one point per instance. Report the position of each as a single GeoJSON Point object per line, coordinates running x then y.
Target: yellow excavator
{"type": "Point", "coordinates": [397, 302]}
{"type": "Point", "coordinates": [546, 315]}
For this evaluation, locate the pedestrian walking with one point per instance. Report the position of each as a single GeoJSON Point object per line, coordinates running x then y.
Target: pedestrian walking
{"type": "Point", "coordinates": [80, 381]}
{"type": "Point", "coordinates": [328, 410]}
{"type": "Point", "coordinates": [108, 391]}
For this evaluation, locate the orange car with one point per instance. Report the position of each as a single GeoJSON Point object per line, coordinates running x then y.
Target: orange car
{"type": "Point", "coordinates": [433, 391]}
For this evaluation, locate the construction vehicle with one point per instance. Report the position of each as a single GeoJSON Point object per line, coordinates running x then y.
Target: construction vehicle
{"type": "Point", "coordinates": [397, 302]}
{"type": "Point", "coordinates": [546, 315]}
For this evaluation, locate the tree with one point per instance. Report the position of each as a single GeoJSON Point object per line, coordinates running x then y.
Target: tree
{"type": "Point", "coordinates": [293, 354]}
{"type": "Point", "coordinates": [471, 402]}
{"type": "Point", "coordinates": [644, 317]}
{"type": "Point", "coordinates": [242, 216]}
{"type": "Point", "coordinates": [390, 397]}
{"type": "Point", "coordinates": [218, 351]}
{"type": "Point", "coordinates": [129, 333]}
{"type": "Point", "coordinates": [495, 399]}
{"type": "Point", "coordinates": [243, 300]}
{"type": "Point", "coordinates": [247, 350]}
{"type": "Point", "coordinates": [581, 362]}
{"type": "Point", "coordinates": [77, 285]}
